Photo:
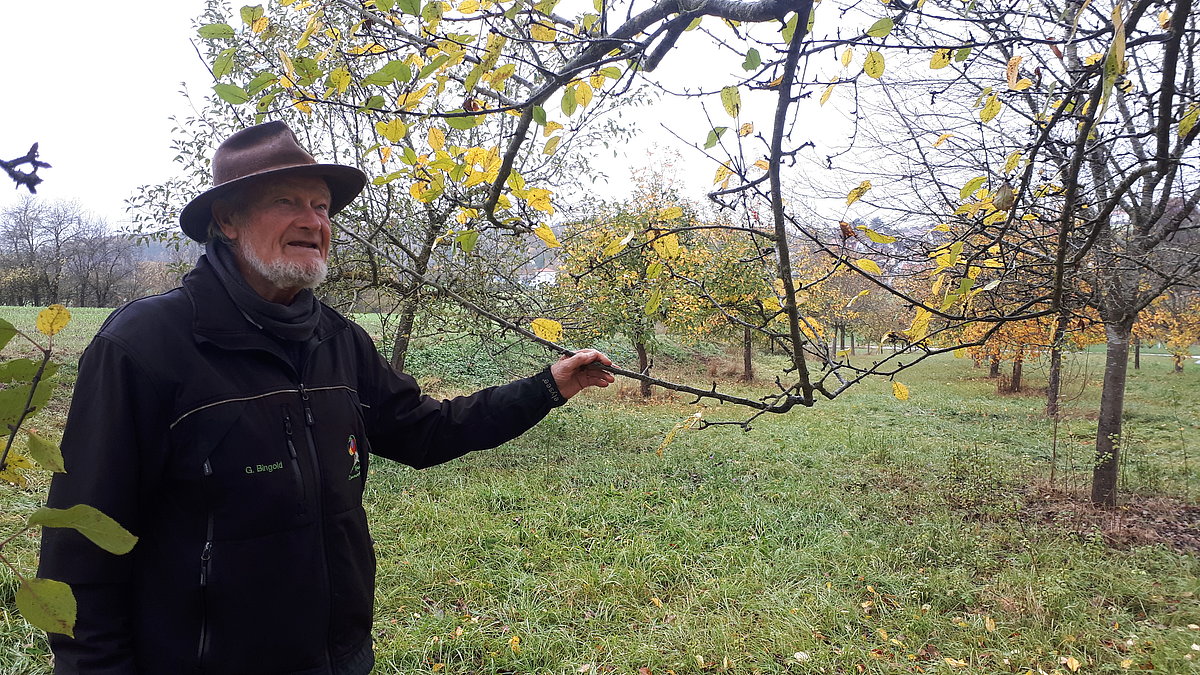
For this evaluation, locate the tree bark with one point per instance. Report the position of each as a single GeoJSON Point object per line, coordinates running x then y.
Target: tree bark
{"type": "Point", "coordinates": [1112, 407]}
{"type": "Point", "coordinates": [747, 355]}
{"type": "Point", "coordinates": [1054, 386]}
{"type": "Point", "coordinates": [994, 371]}
{"type": "Point", "coordinates": [643, 366]}
{"type": "Point", "coordinates": [1018, 362]}
{"type": "Point", "coordinates": [1137, 354]}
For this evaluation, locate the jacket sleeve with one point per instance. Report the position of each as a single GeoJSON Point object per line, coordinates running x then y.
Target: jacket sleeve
{"type": "Point", "coordinates": [410, 427]}
{"type": "Point", "coordinates": [115, 416]}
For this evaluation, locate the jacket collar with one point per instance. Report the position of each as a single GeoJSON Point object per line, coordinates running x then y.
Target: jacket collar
{"type": "Point", "coordinates": [216, 319]}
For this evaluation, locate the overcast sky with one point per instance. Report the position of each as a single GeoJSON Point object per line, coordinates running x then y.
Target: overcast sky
{"type": "Point", "coordinates": [95, 84]}
{"type": "Point", "coordinates": [97, 90]}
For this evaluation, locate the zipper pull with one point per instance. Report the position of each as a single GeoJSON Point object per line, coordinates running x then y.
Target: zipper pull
{"type": "Point", "coordinates": [205, 557]}
{"type": "Point", "coordinates": [207, 469]}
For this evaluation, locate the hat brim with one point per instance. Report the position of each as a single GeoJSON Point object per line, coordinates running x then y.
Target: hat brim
{"type": "Point", "coordinates": [345, 183]}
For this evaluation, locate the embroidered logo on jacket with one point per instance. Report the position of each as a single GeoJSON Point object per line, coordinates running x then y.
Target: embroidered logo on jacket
{"type": "Point", "coordinates": [356, 465]}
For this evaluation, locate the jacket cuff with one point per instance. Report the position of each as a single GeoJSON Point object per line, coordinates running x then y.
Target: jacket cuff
{"type": "Point", "coordinates": [547, 384]}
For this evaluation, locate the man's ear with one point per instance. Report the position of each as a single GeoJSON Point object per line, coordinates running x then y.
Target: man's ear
{"type": "Point", "coordinates": [222, 213]}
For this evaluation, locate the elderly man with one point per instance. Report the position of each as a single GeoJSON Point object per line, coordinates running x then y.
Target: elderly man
{"type": "Point", "coordinates": [229, 423]}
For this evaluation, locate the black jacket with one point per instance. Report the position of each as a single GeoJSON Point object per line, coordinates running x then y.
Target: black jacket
{"type": "Point", "coordinates": [243, 478]}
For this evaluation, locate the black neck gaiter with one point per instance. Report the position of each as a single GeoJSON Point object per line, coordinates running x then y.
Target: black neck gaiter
{"type": "Point", "coordinates": [295, 322]}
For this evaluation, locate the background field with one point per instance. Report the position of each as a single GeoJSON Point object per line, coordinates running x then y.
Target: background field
{"type": "Point", "coordinates": [863, 535]}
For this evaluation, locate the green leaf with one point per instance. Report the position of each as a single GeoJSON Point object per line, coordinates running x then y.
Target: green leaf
{"type": "Point", "coordinates": [23, 370]}
{"type": "Point", "coordinates": [91, 523]}
{"type": "Point", "coordinates": [231, 93]}
{"type": "Point", "coordinates": [261, 81]}
{"type": "Point", "coordinates": [464, 123]}
{"type": "Point", "coordinates": [14, 399]}
{"type": "Point", "coordinates": [881, 28]}
{"type": "Point", "coordinates": [569, 104]}
{"type": "Point", "coordinates": [971, 186]}
{"type": "Point", "coordinates": [732, 100]}
{"type": "Point", "coordinates": [654, 301]}
{"type": "Point", "coordinates": [216, 31]}
{"type": "Point", "coordinates": [789, 28]}
{"type": "Point", "coordinates": [46, 454]}
{"type": "Point", "coordinates": [753, 60]}
{"type": "Point", "coordinates": [7, 332]}
{"type": "Point", "coordinates": [962, 54]}
{"type": "Point", "coordinates": [251, 13]}
{"type": "Point", "coordinates": [654, 270]}
{"type": "Point", "coordinates": [376, 102]}
{"type": "Point", "coordinates": [385, 5]}
{"type": "Point", "coordinates": [714, 135]}
{"type": "Point", "coordinates": [433, 65]}
{"type": "Point", "coordinates": [539, 115]}
{"type": "Point", "coordinates": [473, 78]}
{"type": "Point", "coordinates": [467, 240]}
{"type": "Point", "coordinates": [47, 604]}
{"type": "Point", "coordinates": [223, 63]}
{"type": "Point", "coordinates": [432, 11]}
{"type": "Point", "coordinates": [389, 73]}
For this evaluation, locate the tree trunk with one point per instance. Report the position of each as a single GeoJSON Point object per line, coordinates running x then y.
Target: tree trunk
{"type": "Point", "coordinates": [852, 345]}
{"type": "Point", "coordinates": [994, 371]}
{"type": "Point", "coordinates": [1054, 387]}
{"type": "Point", "coordinates": [1018, 362]}
{"type": "Point", "coordinates": [1112, 407]}
{"type": "Point", "coordinates": [408, 314]}
{"type": "Point", "coordinates": [643, 366]}
{"type": "Point", "coordinates": [747, 354]}
{"type": "Point", "coordinates": [1137, 354]}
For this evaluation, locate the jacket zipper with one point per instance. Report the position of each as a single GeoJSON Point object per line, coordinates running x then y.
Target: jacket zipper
{"type": "Point", "coordinates": [297, 476]}
{"type": "Point", "coordinates": [309, 421]}
{"type": "Point", "coordinates": [205, 571]}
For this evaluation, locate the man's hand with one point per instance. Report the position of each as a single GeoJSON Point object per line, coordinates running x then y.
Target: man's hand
{"type": "Point", "coordinates": [573, 374]}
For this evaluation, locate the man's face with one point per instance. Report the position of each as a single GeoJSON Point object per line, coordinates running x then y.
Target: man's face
{"type": "Point", "coordinates": [281, 234]}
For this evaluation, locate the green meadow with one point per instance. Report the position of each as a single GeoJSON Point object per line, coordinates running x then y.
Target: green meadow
{"type": "Point", "coordinates": [949, 533]}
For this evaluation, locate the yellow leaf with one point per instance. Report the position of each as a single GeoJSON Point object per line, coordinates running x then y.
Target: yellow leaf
{"type": "Point", "coordinates": [1012, 71]}
{"type": "Point", "coordinates": [1189, 120]}
{"type": "Point", "coordinates": [847, 56]}
{"type": "Point", "coordinates": [956, 663]}
{"type": "Point", "coordinates": [920, 325]}
{"type": "Point", "coordinates": [991, 108]}
{"type": "Point", "coordinates": [583, 94]}
{"type": "Point", "coordinates": [900, 391]}
{"type": "Point", "coordinates": [53, 319]}
{"type": "Point", "coordinates": [723, 172]}
{"type": "Point", "coordinates": [547, 329]}
{"type": "Point", "coordinates": [941, 227]}
{"type": "Point", "coordinates": [393, 130]}
{"type": "Point", "coordinates": [514, 644]}
{"type": "Point", "coordinates": [1092, 59]}
{"type": "Point", "coordinates": [868, 265]}
{"type": "Point", "coordinates": [1012, 161]}
{"type": "Point", "coordinates": [1164, 22]}
{"type": "Point", "coordinates": [469, 6]}
{"type": "Point", "coordinates": [763, 164]}
{"type": "Point", "coordinates": [1022, 84]}
{"type": "Point", "coordinates": [1127, 664]}
{"type": "Point", "coordinates": [858, 192]}
{"type": "Point", "coordinates": [942, 139]}
{"type": "Point", "coordinates": [731, 98]}
{"type": "Point", "coordinates": [544, 233]}
{"type": "Point", "coordinates": [1072, 663]}
{"type": "Point", "coordinates": [596, 81]}
{"type": "Point", "coordinates": [550, 128]}
{"type": "Point", "coordinates": [542, 32]}
{"type": "Point", "coordinates": [671, 213]}
{"type": "Point", "coordinates": [666, 246]}
{"type": "Point", "coordinates": [990, 624]}
{"type": "Point", "coordinates": [656, 602]}
{"type": "Point", "coordinates": [874, 65]}
{"type": "Point", "coordinates": [437, 138]}
{"type": "Point", "coordinates": [539, 198]}
{"type": "Point", "coordinates": [746, 129]}
{"type": "Point", "coordinates": [940, 59]}
{"type": "Point", "coordinates": [876, 237]}
{"type": "Point", "coordinates": [828, 92]}
{"type": "Point", "coordinates": [551, 145]}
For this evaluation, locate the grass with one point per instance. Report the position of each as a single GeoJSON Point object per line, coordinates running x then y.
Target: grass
{"type": "Point", "coordinates": [864, 535]}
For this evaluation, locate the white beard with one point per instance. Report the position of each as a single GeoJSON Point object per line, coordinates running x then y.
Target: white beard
{"type": "Point", "coordinates": [285, 274]}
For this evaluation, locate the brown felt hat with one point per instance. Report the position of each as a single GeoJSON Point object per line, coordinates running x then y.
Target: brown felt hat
{"type": "Point", "coordinates": [268, 149]}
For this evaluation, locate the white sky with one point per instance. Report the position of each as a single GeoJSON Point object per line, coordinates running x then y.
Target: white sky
{"type": "Point", "coordinates": [96, 84]}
